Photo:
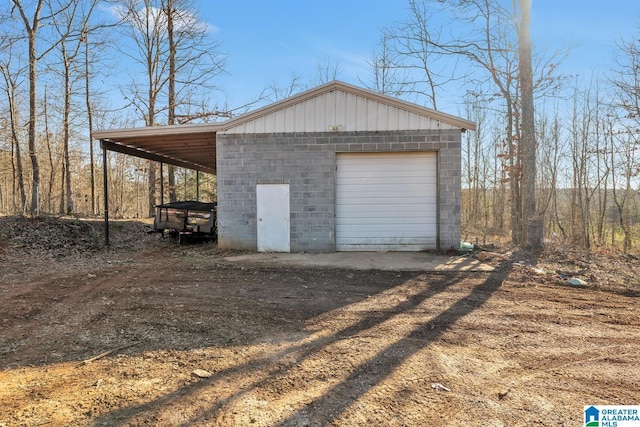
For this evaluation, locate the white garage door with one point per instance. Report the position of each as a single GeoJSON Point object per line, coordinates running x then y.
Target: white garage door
{"type": "Point", "coordinates": [386, 201]}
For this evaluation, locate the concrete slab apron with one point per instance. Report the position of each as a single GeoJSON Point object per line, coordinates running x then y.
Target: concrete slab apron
{"type": "Point", "coordinates": [393, 261]}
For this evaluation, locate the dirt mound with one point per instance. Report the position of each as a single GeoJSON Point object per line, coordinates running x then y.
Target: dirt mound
{"type": "Point", "coordinates": [54, 237]}
{"type": "Point", "coordinates": [60, 238]}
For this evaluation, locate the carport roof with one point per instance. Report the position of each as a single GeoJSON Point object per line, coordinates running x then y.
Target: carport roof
{"type": "Point", "coordinates": [188, 146]}
{"type": "Point", "coordinates": [194, 146]}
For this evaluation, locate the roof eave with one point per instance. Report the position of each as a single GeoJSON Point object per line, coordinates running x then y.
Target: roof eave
{"type": "Point", "coordinates": [150, 131]}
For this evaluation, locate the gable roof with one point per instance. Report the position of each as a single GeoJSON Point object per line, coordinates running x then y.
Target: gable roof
{"type": "Point", "coordinates": [343, 107]}
{"type": "Point", "coordinates": [335, 106]}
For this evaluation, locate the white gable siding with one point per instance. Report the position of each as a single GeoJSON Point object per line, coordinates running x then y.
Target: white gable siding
{"type": "Point", "coordinates": [347, 111]}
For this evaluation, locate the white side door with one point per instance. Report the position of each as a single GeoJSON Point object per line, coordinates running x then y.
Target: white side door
{"type": "Point", "coordinates": [273, 218]}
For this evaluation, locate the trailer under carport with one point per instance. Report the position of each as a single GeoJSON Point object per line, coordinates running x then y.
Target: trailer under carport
{"type": "Point", "coordinates": [188, 146]}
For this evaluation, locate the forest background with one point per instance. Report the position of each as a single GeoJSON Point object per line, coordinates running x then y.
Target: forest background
{"type": "Point", "coordinates": [71, 66]}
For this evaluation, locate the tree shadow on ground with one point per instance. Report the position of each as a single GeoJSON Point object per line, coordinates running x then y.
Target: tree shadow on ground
{"type": "Point", "coordinates": [344, 393]}
{"type": "Point", "coordinates": [71, 316]}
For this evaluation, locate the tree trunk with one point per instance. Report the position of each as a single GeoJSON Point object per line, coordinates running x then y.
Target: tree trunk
{"type": "Point", "coordinates": [172, 91]}
{"type": "Point", "coordinates": [33, 105]}
{"type": "Point", "coordinates": [89, 119]}
{"type": "Point", "coordinates": [16, 153]}
{"type": "Point", "coordinates": [532, 229]}
{"type": "Point", "coordinates": [514, 178]}
{"type": "Point", "coordinates": [152, 188]}
{"type": "Point", "coordinates": [152, 165]}
{"type": "Point", "coordinates": [152, 64]}
{"type": "Point", "coordinates": [15, 144]}
{"type": "Point", "coordinates": [47, 140]}
{"type": "Point", "coordinates": [31, 30]}
{"type": "Point", "coordinates": [66, 124]}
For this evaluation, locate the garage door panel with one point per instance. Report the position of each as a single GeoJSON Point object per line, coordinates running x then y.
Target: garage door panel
{"type": "Point", "coordinates": [356, 210]}
{"type": "Point", "coordinates": [361, 181]}
{"type": "Point", "coordinates": [386, 248]}
{"type": "Point", "coordinates": [349, 228]}
{"type": "Point", "coordinates": [394, 233]}
{"type": "Point", "coordinates": [376, 171]}
{"type": "Point", "coordinates": [386, 170]}
{"type": "Point", "coordinates": [389, 241]}
{"type": "Point", "coordinates": [377, 220]}
{"type": "Point", "coordinates": [383, 197]}
{"type": "Point", "coordinates": [389, 212]}
{"type": "Point", "coordinates": [389, 158]}
{"type": "Point", "coordinates": [411, 245]}
{"type": "Point", "coordinates": [386, 201]}
{"type": "Point", "coordinates": [394, 187]}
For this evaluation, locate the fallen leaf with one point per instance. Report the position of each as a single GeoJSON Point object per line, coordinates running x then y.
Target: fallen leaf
{"type": "Point", "coordinates": [201, 373]}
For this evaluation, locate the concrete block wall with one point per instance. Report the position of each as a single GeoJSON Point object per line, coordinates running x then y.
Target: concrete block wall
{"type": "Point", "coordinates": [307, 162]}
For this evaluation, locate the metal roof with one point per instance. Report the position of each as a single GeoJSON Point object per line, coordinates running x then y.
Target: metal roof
{"type": "Point", "coordinates": [188, 146]}
{"type": "Point", "coordinates": [194, 146]}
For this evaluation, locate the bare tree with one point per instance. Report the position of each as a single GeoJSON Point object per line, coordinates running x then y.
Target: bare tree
{"type": "Point", "coordinates": [32, 25]}
{"type": "Point", "coordinates": [388, 77]}
{"type": "Point", "coordinates": [11, 90]}
{"type": "Point", "coordinates": [481, 36]}
{"type": "Point", "coordinates": [552, 153]}
{"type": "Point", "coordinates": [185, 57]}
{"type": "Point", "coordinates": [625, 167]}
{"type": "Point", "coordinates": [169, 12]}
{"type": "Point", "coordinates": [475, 165]}
{"type": "Point", "coordinates": [626, 82]}
{"type": "Point", "coordinates": [89, 106]}
{"type": "Point", "coordinates": [50, 155]}
{"type": "Point", "coordinates": [625, 78]}
{"type": "Point", "coordinates": [145, 28]}
{"type": "Point", "coordinates": [327, 71]}
{"type": "Point", "coordinates": [414, 47]}
{"type": "Point", "coordinates": [71, 26]}
{"type": "Point", "coordinates": [276, 91]}
{"type": "Point", "coordinates": [31, 28]}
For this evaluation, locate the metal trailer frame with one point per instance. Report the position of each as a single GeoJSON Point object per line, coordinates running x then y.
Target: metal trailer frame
{"type": "Point", "coordinates": [187, 220]}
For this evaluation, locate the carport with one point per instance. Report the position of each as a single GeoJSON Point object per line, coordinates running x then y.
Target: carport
{"type": "Point", "coordinates": [187, 146]}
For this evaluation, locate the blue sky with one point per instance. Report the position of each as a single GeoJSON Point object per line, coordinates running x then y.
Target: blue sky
{"type": "Point", "coordinates": [268, 41]}
{"type": "Point", "coordinates": [590, 29]}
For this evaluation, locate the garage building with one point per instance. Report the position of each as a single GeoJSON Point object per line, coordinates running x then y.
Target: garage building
{"type": "Point", "coordinates": [335, 168]}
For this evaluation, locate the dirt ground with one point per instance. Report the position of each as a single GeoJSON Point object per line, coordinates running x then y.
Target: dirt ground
{"type": "Point", "coordinates": [149, 333]}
